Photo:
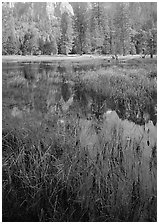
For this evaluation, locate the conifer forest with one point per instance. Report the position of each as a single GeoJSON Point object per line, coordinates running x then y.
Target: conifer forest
{"type": "Point", "coordinates": [79, 28]}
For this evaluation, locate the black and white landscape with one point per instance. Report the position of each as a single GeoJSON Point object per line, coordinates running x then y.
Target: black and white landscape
{"type": "Point", "coordinates": [79, 111]}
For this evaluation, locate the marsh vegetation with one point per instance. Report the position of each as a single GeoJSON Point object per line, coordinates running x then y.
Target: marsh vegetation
{"type": "Point", "coordinates": [79, 141]}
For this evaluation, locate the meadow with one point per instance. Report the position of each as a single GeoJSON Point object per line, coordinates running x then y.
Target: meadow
{"type": "Point", "coordinates": [90, 157]}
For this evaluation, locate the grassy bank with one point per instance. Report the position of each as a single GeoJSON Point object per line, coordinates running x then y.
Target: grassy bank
{"type": "Point", "coordinates": [130, 90]}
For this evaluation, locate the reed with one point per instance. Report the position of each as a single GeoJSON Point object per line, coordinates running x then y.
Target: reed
{"type": "Point", "coordinates": [63, 182]}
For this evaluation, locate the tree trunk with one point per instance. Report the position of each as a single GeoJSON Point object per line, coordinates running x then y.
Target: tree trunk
{"type": "Point", "coordinates": [137, 47]}
{"type": "Point", "coordinates": [151, 48]}
{"type": "Point", "coordinates": [123, 48]}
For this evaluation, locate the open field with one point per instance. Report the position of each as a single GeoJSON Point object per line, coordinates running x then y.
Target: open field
{"type": "Point", "coordinates": [82, 150]}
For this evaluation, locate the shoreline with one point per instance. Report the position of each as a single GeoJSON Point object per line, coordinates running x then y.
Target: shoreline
{"type": "Point", "coordinates": [71, 58]}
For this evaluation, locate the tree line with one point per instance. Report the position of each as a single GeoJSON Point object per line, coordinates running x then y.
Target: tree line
{"type": "Point", "coordinates": [32, 28]}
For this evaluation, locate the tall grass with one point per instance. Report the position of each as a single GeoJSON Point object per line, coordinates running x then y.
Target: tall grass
{"type": "Point", "coordinates": [61, 181]}
{"type": "Point", "coordinates": [129, 91]}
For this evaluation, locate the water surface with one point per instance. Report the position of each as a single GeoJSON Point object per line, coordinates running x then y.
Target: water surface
{"type": "Point", "coordinates": [48, 88]}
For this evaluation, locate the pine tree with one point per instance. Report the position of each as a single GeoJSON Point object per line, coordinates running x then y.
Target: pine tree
{"type": "Point", "coordinates": [144, 26]}
{"type": "Point", "coordinates": [96, 29]}
{"type": "Point", "coordinates": [81, 27]}
{"type": "Point", "coordinates": [122, 27]}
{"type": "Point", "coordinates": [108, 16]}
{"type": "Point", "coordinates": [9, 41]}
{"type": "Point", "coordinates": [66, 40]}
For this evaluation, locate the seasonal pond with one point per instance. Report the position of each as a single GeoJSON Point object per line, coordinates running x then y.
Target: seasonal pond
{"type": "Point", "coordinates": [40, 87]}
{"type": "Point", "coordinates": [56, 87]}
{"type": "Point", "coordinates": [40, 96]}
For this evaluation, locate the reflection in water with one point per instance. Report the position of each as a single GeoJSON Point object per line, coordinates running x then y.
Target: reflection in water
{"type": "Point", "coordinates": [47, 88]}
{"type": "Point", "coordinates": [67, 104]}
{"type": "Point", "coordinates": [143, 137]}
{"type": "Point", "coordinates": [65, 90]}
{"type": "Point", "coordinates": [29, 72]}
{"type": "Point", "coordinates": [39, 100]}
{"type": "Point", "coordinates": [17, 113]}
{"type": "Point", "coordinates": [60, 97]}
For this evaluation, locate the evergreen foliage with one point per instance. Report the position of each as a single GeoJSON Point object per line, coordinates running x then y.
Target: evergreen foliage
{"type": "Point", "coordinates": [65, 43]}
{"type": "Point", "coordinates": [79, 28]}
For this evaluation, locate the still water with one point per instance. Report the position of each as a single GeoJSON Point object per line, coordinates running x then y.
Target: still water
{"type": "Point", "coordinates": [48, 88]}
